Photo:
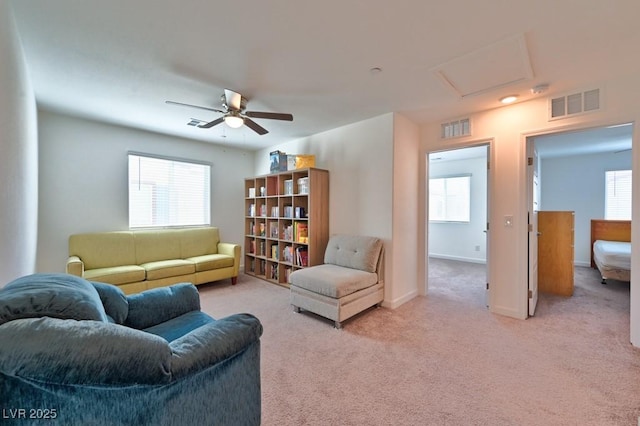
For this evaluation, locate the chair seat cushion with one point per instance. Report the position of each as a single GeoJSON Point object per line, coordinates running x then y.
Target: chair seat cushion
{"type": "Point", "coordinates": [179, 326]}
{"type": "Point", "coordinates": [211, 261]}
{"type": "Point", "coordinates": [332, 280]}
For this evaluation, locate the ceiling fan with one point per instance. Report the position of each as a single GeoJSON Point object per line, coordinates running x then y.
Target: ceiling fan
{"type": "Point", "coordinates": [234, 114]}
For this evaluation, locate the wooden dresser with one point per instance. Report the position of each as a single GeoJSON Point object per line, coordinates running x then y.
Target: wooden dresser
{"type": "Point", "coordinates": [556, 252]}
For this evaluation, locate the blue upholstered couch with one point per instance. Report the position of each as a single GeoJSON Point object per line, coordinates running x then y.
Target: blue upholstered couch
{"type": "Point", "coordinates": [75, 352]}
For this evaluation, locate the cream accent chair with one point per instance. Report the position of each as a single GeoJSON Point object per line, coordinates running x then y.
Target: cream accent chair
{"type": "Point", "coordinates": [350, 280]}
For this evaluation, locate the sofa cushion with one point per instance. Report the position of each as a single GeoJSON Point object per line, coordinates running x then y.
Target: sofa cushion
{"type": "Point", "coordinates": [168, 268]}
{"type": "Point", "coordinates": [50, 295]}
{"type": "Point", "coordinates": [351, 251]}
{"type": "Point", "coordinates": [199, 241]}
{"type": "Point", "coordinates": [103, 249]}
{"type": "Point", "coordinates": [211, 261]}
{"type": "Point", "coordinates": [124, 274]}
{"type": "Point", "coordinates": [157, 245]}
{"type": "Point", "coordinates": [161, 304]}
{"type": "Point", "coordinates": [83, 352]}
{"type": "Point", "coordinates": [114, 301]}
{"type": "Point", "coordinates": [332, 280]}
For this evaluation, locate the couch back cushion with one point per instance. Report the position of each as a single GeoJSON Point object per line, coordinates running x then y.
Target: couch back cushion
{"type": "Point", "coordinates": [199, 241]}
{"type": "Point", "coordinates": [157, 245]}
{"type": "Point", "coordinates": [50, 295]}
{"type": "Point", "coordinates": [103, 249]}
{"type": "Point", "coordinates": [353, 251]}
{"type": "Point", "coordinates": [52, 350]}
{"type": "Point", "coordinates": [115, 302]}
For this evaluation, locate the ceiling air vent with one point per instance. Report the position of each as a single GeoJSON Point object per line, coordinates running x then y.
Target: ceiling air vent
{"type": "Point", "coordinates": [576, 103]}
{"type": "Point", "coordinates": [455, 129]}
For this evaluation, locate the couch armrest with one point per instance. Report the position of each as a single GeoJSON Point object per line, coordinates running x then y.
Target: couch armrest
{"type": "Point", "coordinates": [213, 343]}
{"type": "Point", "coordinates": [155, 306]}
{"type": "Point", "coordinates": [231, 249]}
{"type": "Point", "coordinates": [75, 266]}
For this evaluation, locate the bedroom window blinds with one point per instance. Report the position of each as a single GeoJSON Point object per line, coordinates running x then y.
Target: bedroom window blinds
{"type": "Point", "coordinates": [618, 195]}
{"type": "Point", "coordinates": [450, 199]}
{"type": "Point", "coordinates": [165, 192]}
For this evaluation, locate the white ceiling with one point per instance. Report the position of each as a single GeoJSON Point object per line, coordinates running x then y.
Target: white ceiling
{"type": "Point", "coordinates": [118, 61]}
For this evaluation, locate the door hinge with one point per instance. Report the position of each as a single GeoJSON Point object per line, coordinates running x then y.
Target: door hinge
{"type": "Point", "coordinates": [488, 165]}
{"type": "Point", "coordinates": [487, 226]}
{"type": "Point", "coordinates": [530, 227]}
{"type": "Point", "coordinates": [530, 294]}
{"type": "Point", "coordinates": [529, 161]}
{"type": "Point", "coordinates": [487, 286]}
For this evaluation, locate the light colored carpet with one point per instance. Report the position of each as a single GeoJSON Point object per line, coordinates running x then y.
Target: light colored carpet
{"type": "Point", "coordinates": [444, 359]}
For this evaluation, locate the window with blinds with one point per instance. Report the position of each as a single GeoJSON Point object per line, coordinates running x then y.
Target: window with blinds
{"type": "Point", "coordinates": [618, 195]}
{"type": "Point", "coordinates": [165, 192]}
{"type": "Point", "coordinates": [450, 199]}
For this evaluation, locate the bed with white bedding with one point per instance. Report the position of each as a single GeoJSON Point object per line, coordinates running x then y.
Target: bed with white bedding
{"type": "Point", "coordinates": [611, 249]}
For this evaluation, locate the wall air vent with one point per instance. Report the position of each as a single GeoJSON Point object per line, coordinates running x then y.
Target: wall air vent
{"type": "Point", "coordinates": [455, 128]}
{"type": "Point", "coordinates": [574, 104]}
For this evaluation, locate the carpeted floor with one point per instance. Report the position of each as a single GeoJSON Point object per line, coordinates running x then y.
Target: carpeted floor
{"type": "Point", "coordinates": [444, 359]}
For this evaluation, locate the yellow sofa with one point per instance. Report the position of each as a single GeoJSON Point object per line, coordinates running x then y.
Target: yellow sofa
{"type": "Point", "coordinates": [144, 259]}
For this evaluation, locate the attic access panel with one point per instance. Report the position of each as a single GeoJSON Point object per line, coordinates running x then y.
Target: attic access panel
{"type": "Point", "coordinates": [493, 66]}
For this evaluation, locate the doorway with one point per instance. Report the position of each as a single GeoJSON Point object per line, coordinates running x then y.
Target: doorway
{"type": "Point", "coordinates": [457, 243]}
{"type": "Point", "coordinates": [571, 177]}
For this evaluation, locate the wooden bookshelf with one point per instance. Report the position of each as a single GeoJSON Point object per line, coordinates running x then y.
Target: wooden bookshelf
{"type": "Point", "coordinates": [286, 222]}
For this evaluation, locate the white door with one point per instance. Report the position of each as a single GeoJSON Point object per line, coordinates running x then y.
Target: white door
{"type": "Point", "coordinates": [487, 234]}
{"type": "Point", "coordinates": [533, 197]}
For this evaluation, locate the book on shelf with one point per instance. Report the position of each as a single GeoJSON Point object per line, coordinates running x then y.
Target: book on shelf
{"type": "Point", "coordinates": [288, 211]}
{"type": "Point", "coordinates": [273, 229]}
{"type": "Point", "coordinates": [262, 229]}
{"type": "Point", "coordinates": [274, 211]}
{"type": "Point", "coordinates": [287, 254]}
{"type": "Point", "coordinates": [252, 210]}
{"type": "Point", "coordinates": [261, 253]}
{"type": "Point", "coordinates": [262, 267]}
{"type": "Point", "coordinates": [274, 271]}
{"type": "Point", "coordinates": [287, 233]}
{"type": "Point", "coordinates": [287, 272]}
{"type": "Point", "coordinates": [301, 232]}
{"type": "Point", "coordinates": [302, 256]}
{"type": "Point", "coordinates": [252, 247]}
{"type": "Point", "coordinates": [263, 209]}
{"type": "Point", "coordinates": [274, 252]}
{"type": "Point", "coordinates": [300, 213]}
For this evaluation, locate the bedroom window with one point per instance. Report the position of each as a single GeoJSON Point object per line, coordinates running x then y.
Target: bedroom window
{"type": "Point", "coordinates": [618, 195]}
{"type": "Point", "coordinates": [450, 199]}
{"type": "Point", "coordinates": [165, 192]}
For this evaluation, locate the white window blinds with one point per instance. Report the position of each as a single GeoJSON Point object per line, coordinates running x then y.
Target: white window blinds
{"type": "Point", "coordinates": [618, 195]}
{"type": "Point", "coordinates": [165, 192]}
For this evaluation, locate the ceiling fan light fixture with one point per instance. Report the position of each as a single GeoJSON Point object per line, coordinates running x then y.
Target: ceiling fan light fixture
{"type": "Point", "coordinates": [233, 121]}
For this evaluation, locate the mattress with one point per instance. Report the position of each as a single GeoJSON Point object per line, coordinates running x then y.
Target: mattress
{"type": "Point", "coordinates": [613, 259]}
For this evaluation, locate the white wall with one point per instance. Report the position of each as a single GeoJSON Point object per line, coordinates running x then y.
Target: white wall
{"type": "Point", "coordinates": [83, 181]}
{"type": "Point", "coordinates": [508, 127]}
{"type": "Point", "coordinates": [577, 183]}
{"type": "Point", "coordinates": [458, 241]}
{"type": "Point", "coordinates": [18, 157]}
{"type": "Point", "coordinates": [360, 160]}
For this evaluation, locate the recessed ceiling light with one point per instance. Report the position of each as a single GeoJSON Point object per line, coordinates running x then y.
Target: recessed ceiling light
{"type": "Point", "coordinates": [375, 70]}
{"type": "Point", "coordinates": [509, 99]}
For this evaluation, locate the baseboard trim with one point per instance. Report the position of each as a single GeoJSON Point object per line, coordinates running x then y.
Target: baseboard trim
{"type": "Point", "coordinates": [459, 258]}
{"type": "Point", "coordinates": [400, 301]}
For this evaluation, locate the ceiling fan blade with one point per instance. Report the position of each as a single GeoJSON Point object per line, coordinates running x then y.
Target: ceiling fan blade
{"type": "Point", "coordinates": [233, 99]}
{"type": "Point", "coordinates": [194, 106]}
{"type": "Point", "coordinates": [212, 123]}
{"type": "Point", "coordinates": [255, 126]}
{"type": "Point", "coordinates": [269, 115]}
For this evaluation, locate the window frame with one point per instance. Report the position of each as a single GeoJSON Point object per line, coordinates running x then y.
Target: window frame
{"type": "Point", "coordinates": [171, 222]}
{"type": "Point", "coordinates": [446, 196]}
{"type": "Point", "coordinates": [610, 213]}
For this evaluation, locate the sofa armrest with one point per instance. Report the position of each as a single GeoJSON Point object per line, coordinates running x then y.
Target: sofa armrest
{"type": "Point", "coordinates": [155, 306]}
{"type": "Point", "coordinates": [231, 249]}
{"type": "Point", "coordinates": [75, 266]}
{"type": "Point", "coordinates": [213, 343]}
